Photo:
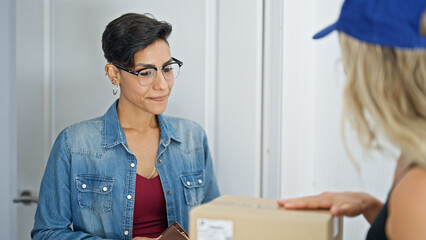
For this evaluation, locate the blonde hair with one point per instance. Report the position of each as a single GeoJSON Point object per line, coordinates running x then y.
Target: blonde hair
{"type": "Point", "coordinates": [388, 86]}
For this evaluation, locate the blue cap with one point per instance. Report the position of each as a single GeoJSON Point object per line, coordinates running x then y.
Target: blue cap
{"type": "Point", "coordinates": [392, 23]}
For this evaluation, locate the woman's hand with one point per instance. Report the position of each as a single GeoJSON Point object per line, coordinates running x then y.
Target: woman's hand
{"type": "Point", "coordinates": [144, 238]}
{"type": "Point", "coordinates": [340, 204]}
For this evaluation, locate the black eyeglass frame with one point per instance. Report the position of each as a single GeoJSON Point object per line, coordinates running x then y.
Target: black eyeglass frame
{"type": "Point", "coordinates": [180, 63]}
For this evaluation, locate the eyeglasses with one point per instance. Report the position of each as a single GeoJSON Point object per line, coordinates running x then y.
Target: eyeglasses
{"type": "Point", "coordinates": [147, 76]}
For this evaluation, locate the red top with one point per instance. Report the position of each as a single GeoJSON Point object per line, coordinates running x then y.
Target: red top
{"type": "Point", "coordinates": [150, 214]}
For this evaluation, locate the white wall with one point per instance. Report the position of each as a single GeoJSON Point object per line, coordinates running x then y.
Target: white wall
{"type": "Point", "coordinates": [313, 156]}
{"type": "Point", "coordinates": [8, 167]}
{"type": "Point", "coordinates": [239, 96]}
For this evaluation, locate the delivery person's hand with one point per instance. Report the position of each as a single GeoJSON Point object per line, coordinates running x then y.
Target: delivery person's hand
{"type": "Point", "coordinates": [340, 204]}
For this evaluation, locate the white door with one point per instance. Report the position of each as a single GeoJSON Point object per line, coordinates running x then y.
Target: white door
{"type": "Point", "coordinates": [60, 80]}
{"type": "Point", "coordinates": [31, 94]}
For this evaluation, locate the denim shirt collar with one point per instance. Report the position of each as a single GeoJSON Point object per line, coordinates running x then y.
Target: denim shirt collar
{"type": "Point", "coordinates": [113, 133]}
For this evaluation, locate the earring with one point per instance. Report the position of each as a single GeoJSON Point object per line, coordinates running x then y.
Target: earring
{"type": "Point", "coordinates": [114, 89]}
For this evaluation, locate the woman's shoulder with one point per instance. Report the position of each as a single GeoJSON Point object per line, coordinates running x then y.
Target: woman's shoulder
{"type": "Point", "coordinates": [183, 125]}
{"type": "Point", "coordinates": [86, 126]}
{"type": "Point", "coordinates": [82, 135]}
{"type": "Point", "coordinates": [412, 184]}
{"type": "Point", "coordinates": [407, 208]}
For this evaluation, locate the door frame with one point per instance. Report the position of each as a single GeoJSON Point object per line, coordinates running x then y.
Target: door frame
{"type": "Point", "coordinates": [8, 145]}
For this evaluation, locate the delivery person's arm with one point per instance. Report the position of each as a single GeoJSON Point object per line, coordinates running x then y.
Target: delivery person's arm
{"type": "Point", "coordinates": [340, 204]}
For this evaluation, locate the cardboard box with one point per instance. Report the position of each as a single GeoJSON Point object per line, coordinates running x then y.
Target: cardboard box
{"type": "Point", "coordinates": [244, 218]}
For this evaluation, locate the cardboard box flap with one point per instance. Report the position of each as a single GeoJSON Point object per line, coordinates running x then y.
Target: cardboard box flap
{"type": "Point", "coordinates": [259, 207]}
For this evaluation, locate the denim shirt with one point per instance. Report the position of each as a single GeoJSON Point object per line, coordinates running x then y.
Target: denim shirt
{"type": "Point", "coordinates": [88, 187]}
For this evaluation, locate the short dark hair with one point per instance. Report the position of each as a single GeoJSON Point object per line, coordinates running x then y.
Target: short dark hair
{"type": "Point", "coordinates": [130, 33]}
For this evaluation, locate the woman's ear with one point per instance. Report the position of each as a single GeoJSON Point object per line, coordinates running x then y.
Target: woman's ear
{"type": "Point", "coordinates": [113, 73]}
{"type": "Point", "coordinates": [423, 24]}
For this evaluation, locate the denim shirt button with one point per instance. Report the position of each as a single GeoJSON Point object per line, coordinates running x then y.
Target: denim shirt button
{"type": "Point", "coordinates": [126, 232]}
{"type": "Point", "coordinates": [200, 181]}
{"type": "Point", "coordinates": [188, 183]}
{"type": "Point", "coordinates": [84, 186]}
{"type": "Point", "coordinates": [160, 161]}
{"type": "Point", "coordinates": [132, 165]}
{"type": "Point", "coordinates": [105, 189]}
{"type": "Point", "coordinates": [129, 197]}
{"type": "Point", "coordinates": [169, 192]}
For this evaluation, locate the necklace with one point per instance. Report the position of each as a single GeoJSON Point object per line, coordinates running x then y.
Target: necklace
{"type": "Point", "coordinates": [150, 175]}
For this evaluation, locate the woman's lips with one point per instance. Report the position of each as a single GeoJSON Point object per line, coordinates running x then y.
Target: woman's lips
{"type": "Point", "coordinates": [158, 99]}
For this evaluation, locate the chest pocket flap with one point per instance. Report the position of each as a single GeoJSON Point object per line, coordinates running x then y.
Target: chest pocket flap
{"type": "Point", "coordinates": [193, 186]}
{"type": "Point", "coordinates": [94, 192]}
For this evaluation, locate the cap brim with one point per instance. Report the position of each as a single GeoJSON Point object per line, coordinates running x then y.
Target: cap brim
{"type": "Point", "coordinates": [325, 31]}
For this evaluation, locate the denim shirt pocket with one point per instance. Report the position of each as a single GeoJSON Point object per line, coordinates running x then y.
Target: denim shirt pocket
{"type": "Point", "coordinates": [193, 187]}
{"type": "Point", "coordinates": [94, 192]}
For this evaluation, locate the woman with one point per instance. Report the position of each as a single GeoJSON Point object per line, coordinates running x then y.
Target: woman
{"type": "Point", "coordinates": [384, 52]}
{"type": "Point", "coordinates": [133, 171]}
